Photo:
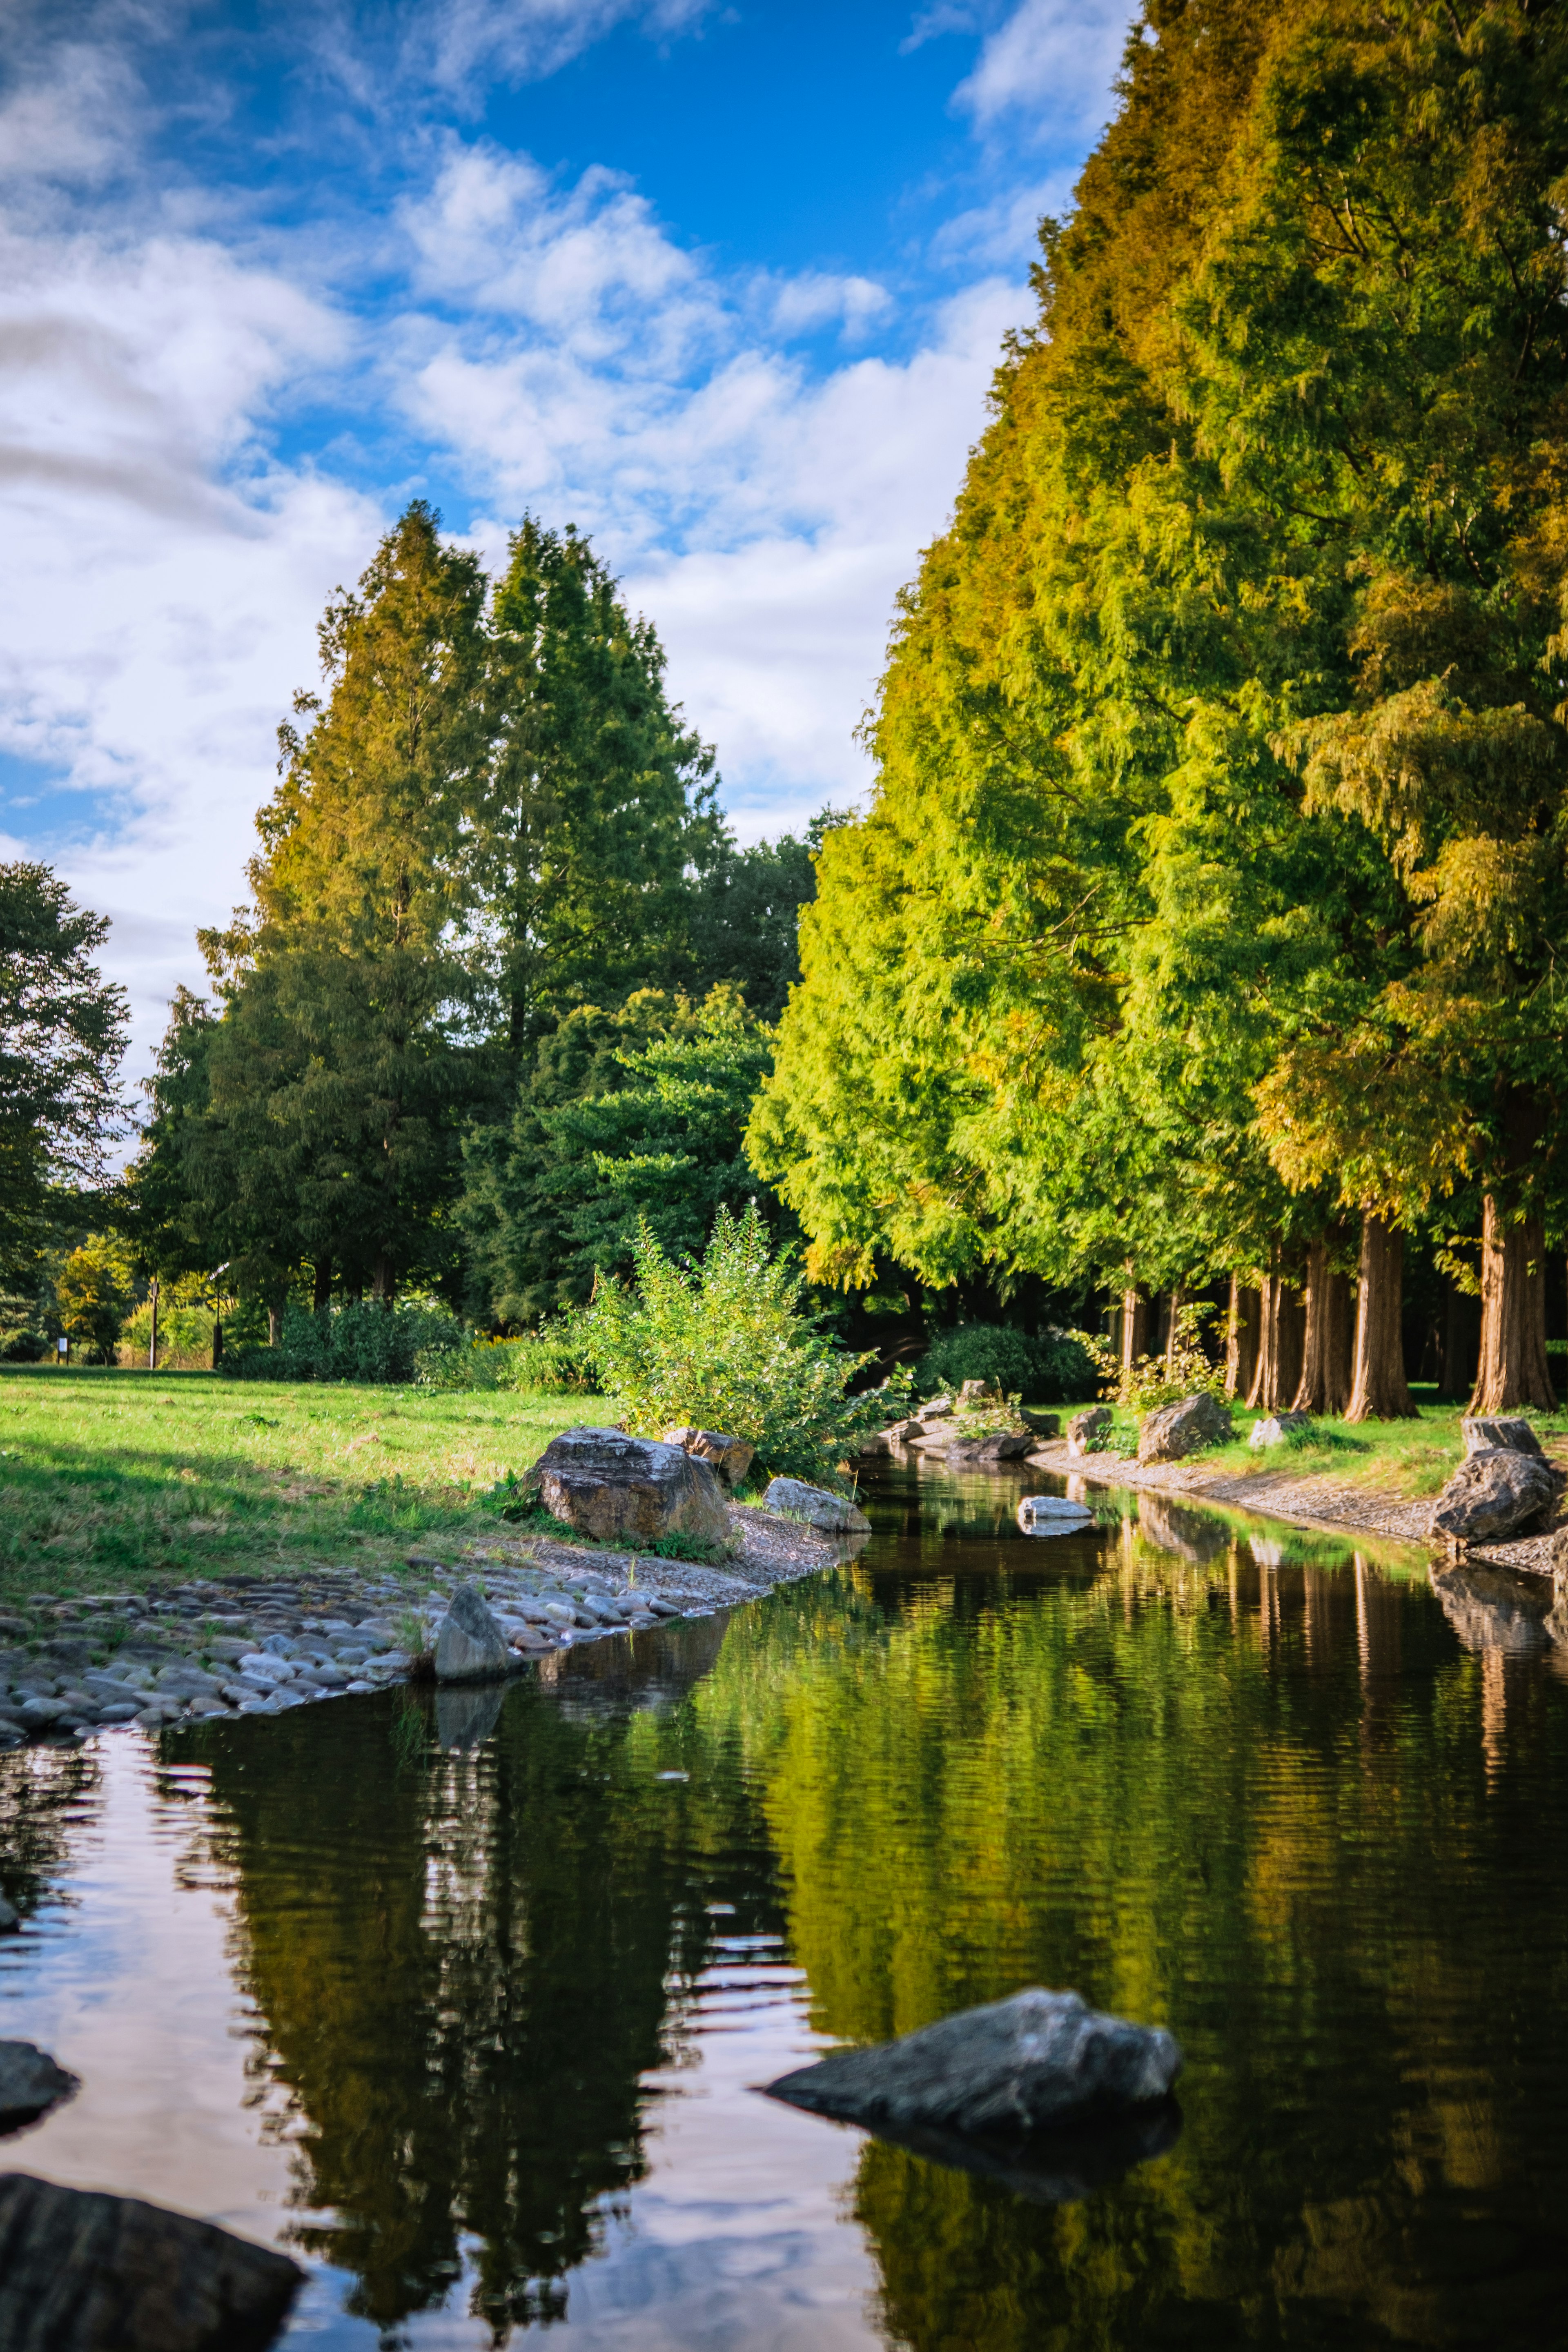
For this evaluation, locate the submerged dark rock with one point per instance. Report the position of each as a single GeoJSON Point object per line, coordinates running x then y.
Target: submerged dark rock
{"type": "Point", "coordinates": [30, 2084]}
{"type": "Point", "coordinates": [1056, 2167]}
{"type": "Point", "coordinates": [84, 2272]}
{"type": "Point", "coordinates": [1035, 2063]}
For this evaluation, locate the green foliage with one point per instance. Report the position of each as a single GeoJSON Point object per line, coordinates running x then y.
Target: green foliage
{"type": "Point", "coordinates": [727, 1345]}
{"type": "Point", "coordinates": [1044, 1370]}
{"type": "Point", "coordinates": [745, 914]}
{"type": "Point", "coordinates": [356, 1342]}
{"type": "Point", "coordinates": [92, 1295]}
{"type": "Point", "coordinates": [550, 1358]}
{"type": "Point", "coordinates": [1183, 1370]}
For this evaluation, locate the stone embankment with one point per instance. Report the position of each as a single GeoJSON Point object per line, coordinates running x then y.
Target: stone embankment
{"type": "Point", "coordinates": [259, 1645]}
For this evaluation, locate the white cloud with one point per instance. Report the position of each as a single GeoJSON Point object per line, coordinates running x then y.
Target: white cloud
{"type": "Point", "coordinates": [1055, 55]}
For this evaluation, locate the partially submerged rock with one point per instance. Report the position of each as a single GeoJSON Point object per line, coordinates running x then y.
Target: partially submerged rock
{"type": "Point", "coordinates": [30, 2084]}
{"type": "Point", "coordinates": [1052, 1514]}
{"type": "Point", "coordinates": [728, 1457]}
{"type": "Point", "coordinates": [1172, 1431]}
{"type": "Point", "coordinates": [1056, 2167]}
{"type": "Point", "coordinates": [84, 2272]}
{"type": "Point", "coordinates": [1036, 2062]}
{"type": "Point", "coordinates": [1087, 1432]}
{"type": "Point", "coordinates": [470, 1646]}
{"type": "Point", "coordinates": [835, 1515]}
{"type": "Point", "coordinates": [624, 1489]}
{"type": "Point", "coordinates": [1278, 1427]}
{"type": "Point", "coordinates": [1495, 1493]}
{"type": "Point", "coordinates": [1001, 1445]}
{"type": "Point", "coordinates": [1490, 1433]}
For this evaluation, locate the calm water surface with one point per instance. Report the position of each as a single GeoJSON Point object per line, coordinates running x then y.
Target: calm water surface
{"type": "Point", "coordinates": [463, 2003]}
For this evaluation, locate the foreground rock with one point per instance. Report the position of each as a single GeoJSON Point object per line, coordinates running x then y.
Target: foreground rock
{"type": "Point", "coordinates": [728, 1457]}
{"type": "Point", "coordinates": [1495, 1493]}
{"type": "Point", "coordinates": [30, 2084]}
{"type": "Point", "coordinates": [82, 2272]}
{"type": "Point", "coordinates": [622, 1489]}
{"type": "Point", "coordinates": [1036, 2062]}
{"type": "Point", "coordinates": [1174, 1431]}
{"type": "Point", "coordinates": [832, 1514]}
{"type": "Point", "coordinates": [1510, 1433]}
{"type": "Point", "coordinates": [1088, 1432]}
{"type": "Point", "coordinates": [470, 1646]}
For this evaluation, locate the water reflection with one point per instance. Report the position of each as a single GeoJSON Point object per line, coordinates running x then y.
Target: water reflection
{"type": "Point", "coordinates": [505, 1968]}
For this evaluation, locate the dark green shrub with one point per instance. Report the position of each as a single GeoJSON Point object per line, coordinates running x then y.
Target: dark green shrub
{"type": "Point", "coordinates": [362, 1342]}
{"type": "Point", "coordinates": [1043, 1370]}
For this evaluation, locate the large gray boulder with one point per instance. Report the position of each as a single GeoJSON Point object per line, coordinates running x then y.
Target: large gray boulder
{"type": "Point", "coordinates": [629, 1490]}
{"type": "Point", "coordinates": [1185, 1427]}
{"type": "Point", "coordinates": [1088, 1432]}
{"type": "Point", "coordinates": [30, 2084]}
{"type": "Point", "coordinates": [835, 1515]}
{"type": "Point", "coordinates": [728, 1457]}
{"type": "Point", "coordinates": [84, 2272]}
{"type": "Point", "coordinates": [1036, 2062]}
{"type": "Point", "coordinates": [1488, 1433]}
{"type": "Point", "coordinates": [470, 1646]}
{"type": "Point", "coordinates": [1495, 1493]}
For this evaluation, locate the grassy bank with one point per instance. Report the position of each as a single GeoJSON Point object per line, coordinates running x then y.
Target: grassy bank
{"type": "Point", "coordinates": [110, 1480]}
{"type": "Point", "coordinates": [1409, 1458]}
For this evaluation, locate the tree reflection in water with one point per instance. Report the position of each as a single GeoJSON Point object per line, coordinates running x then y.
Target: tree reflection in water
{"type": "Point", "coordinates": [1258, 1790]}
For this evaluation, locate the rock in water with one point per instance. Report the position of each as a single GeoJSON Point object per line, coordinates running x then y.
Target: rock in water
{"type": "Point", "coordinates": [728, 1457]}
{"type": "Point", "coordinates": [1052, 1514]}
{"type": "Point", "coordinates": [470, 1646]}
{"type": "Point", "coordinates": [1033, 2063]}
{"type": "Point", "coordinates": [1508, 1435]}
{"type": "Point", "coordinates": [83, 2271]}
{"type": "Point", "coordinates": [836, 1515]}
{"type": "Point", "coordinates": [1004, 1446]}
{"type": "Point", "coordinates": [1087, 1432]}
{"type": "Point", "coordinates": [629, 1489]}
{"type": "Point", "coordinates": [1495, 1493]}
{"type": "Point", "coordinates": [30, 2084]}
{"type": "Point", "coordinates": [1278, 1427]}
{"type": "Point", "coordinates": [1174, 1430]}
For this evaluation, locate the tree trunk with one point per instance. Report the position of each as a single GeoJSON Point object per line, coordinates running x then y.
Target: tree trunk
{"type": "Point", "coordinates": [1134, 1328]}
{"type": "Point", "coordinates": [383, 1281]}
{"type": "Point", "coordinates": [1512, 1370]}
{"type": "Point", "coordinates": [218, 1344]}
{"type": "Point", "coordinates": [1173, 1299]}
{"type": "Point", "coordinates": [274, 1327]}
{"type": "Point", "coordinates": [322, 1293]}
{"type": "Point", "coordinates": [1240, 1339]}
{"type": "Point", "coordinates": [1327, 1344]}
{"type": "Point", "coordinates": [1281, 1326]}
{"type": "Point", "coordinates": [153, 1336]}
{"type": "Point", "coordinates": [1379, 1391]}
{"type": "Point", "coordinates": [1461, 1321]}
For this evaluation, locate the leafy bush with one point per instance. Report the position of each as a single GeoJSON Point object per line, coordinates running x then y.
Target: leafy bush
{"type": "Point", "coordinates": [185, 1336]}
{"type": "Point", "coordinates": [1154, 1380]}
{"type": "Point", "coordinates": [725, 1344]}
{"type": "Point", "coordinates": [1045, 1370]}
{"type": "Point", "coordinates": [550, 1357]}
{"type": "Point", "coordinates": [347, 1343]}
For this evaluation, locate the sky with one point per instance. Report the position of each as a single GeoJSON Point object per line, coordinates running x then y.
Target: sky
{"type": "Point", "coordinates": [721, 282]}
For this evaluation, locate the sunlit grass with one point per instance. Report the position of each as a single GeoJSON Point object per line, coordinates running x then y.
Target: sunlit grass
{"type": "Point", "coordinates": [110, 1479]}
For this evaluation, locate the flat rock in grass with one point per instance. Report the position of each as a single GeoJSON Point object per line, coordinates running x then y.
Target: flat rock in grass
{"type": "Point", "coordinates": [1088, 1432]}
{"type": "Point", "coordinates": [834, 1514]}
{"type": "Point", "coordinates": [1495, 1493]}
{"type": "Point", "coordinates": [81, 2271]}
{"type": "Point", "coordinates": [1507, 1433]}
{"type": "Point", "coordinates": [1174, 1431]}
{"type": "Point", "coordinates": [30, 2084]}
{"type": "Point", "coordinates": [631, 1490]}
{"type": "Point", "coordinates": [470, 1646]}
{"type": "Point", "coordinates": [1036, 2062]}
{"type": "Point", "coordinates": [728, 1457]}
{"type": "Point", "coordinates": [1278, 1428]}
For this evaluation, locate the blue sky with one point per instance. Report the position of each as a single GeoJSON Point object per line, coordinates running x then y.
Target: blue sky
{"type": "Point", "coordinates": [722, 284]}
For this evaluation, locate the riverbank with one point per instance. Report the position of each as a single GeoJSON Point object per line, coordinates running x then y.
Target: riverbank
{"type": "Point", "coordinates": [1334, 1505]}
{"type": "Point", "coordinates": [242, 1644]}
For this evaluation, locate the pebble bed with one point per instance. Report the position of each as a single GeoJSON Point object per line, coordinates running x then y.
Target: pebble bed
{"type": "Point", "coordinates": [248, 1645]}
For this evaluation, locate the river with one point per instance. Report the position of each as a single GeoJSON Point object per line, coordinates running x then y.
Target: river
{"type": "Point", "coordinates": [467, 2014]}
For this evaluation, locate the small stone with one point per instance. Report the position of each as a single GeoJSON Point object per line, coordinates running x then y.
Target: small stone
{"type": "Point", "coordinates": [833, 1514]}
{"type": "Point", "coordinates": [30, 2084]}
{"type": "Point", "coordinates": [470, 1646]}
{"type": "Point", "coordinates": [1277, 1428]}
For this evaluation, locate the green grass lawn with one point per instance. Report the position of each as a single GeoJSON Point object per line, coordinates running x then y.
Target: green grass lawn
{"type": "Point", "coordinates": [112, 1480]}
{"type": "Point", "coordinates": [1411, 1458]}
